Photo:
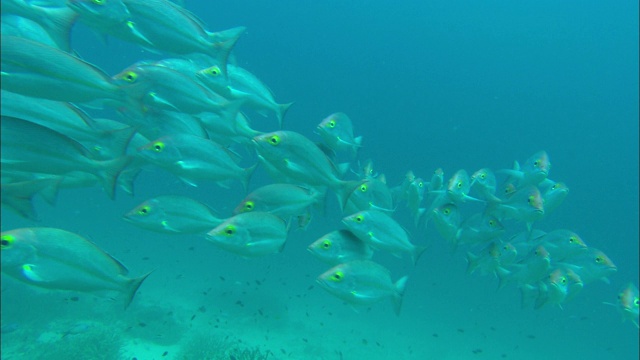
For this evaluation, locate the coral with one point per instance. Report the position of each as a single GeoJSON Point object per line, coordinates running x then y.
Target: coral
{"type": "Point", "coordinates": [209, 347]}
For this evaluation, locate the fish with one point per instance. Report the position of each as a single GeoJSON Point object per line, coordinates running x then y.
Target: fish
{"type": "Point", "coordinates": [284, 200]}
{"type": "Point", "coordinates": [226, 132]}
{"type": "Point", "coordinates": [479, 228]}
{"type": "Point", "coordinates": [525, 205]}
{"type": "Point", "coordinates": [337, 132]}
{"type": "Point", "coordinates": [534, 171]}
{"type": "Point", "coordinates": [173, 214]}
{"type": "Point", "coordinates": [370, 194]}
{"type": "Point", "coordinates": [32, 148]}
{"type": "Point", "coordinates": [250, 234]}
{"type": "Point", "coordinates": [447, 221]}
{"type": "Point", "coordinates": [298, 158]}
{"type": "Point", "coordinates": [628, 303]}
{"type": "Point", "coordinates": [194, 159]}
{"type": "Point", "coordinates": [493, 258]}
{"type": "Point", "coordinates": [554, 196]}
{"type": "Point", "coordinates": [163, 88]}
{"type": "Point", "coordinates": [551, 290]}
{"type": "Point", "coordinates": [363, 282]}
{"type": "Point", "coordinates": [34, 69]}
{"type": "Point", "coordinates": [382, 232]}
{"type": "Point", "coordinates": [529, 270]}
{"type": "Point", "coordinates": [159, 25]}
{"type": "Point", "coordinates": [563, 244]}
{"type": "Point", "coordinates": [245, 86]}
{"type": "Point", "coordinates": [69, 120]}
{"type": "Point", "coordinates": [340, 246]}
{"type": "Point", "coordinates": [484, 180]}
{"type": "Point", "coordinates": [592, 265]}
{"type": "Point", "coordinates": [54, 258]}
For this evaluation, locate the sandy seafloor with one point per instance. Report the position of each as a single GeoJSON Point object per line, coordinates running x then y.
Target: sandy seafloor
{"type": "Point", "coordinates": [451, 86]}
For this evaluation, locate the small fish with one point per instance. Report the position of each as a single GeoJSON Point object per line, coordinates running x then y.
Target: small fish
{"type": "Point", "coordinates": [193, 158]}
{"type": "Point", "coordinates": [337, 132]}
{"type": "Point", "coordinates": [245, 86]}
{"type": "Point", "coordinates": [592, 265]}
{"type": "Point", "coordinates": [31, 148]}
{"type": "Point", "coordinates": [447, 220]}
{"type": "Point", "coordinates": [551, 290]}
{"type": "Point", "coordinates": [34, 69]}
{"type": "Point", "coordinates": [484, 180]}
{"type": "Point", "coordinates": [284, 200]}
{"type": "Point", "coordinates": [363, 282]}
{"type": "Point", "coordinates": [554, 196]}
{"type": "Point", "coordinates": [298, 158]}
{"type": "Point", "coordinates": [58, 259]}
{"type": "Point", "coordinates": [628, 303]}
{"type": "Point", "coordinates": [525, 205]}
{"type": "Point", "coordinates": [563, 244]}
{"type": "Point", "coordinates": [532, 268]}
{"type": "Point", "coordinates": [493, 258]}
{"type": "Point", "coordinates": [340, 246]}
{"type": "Point", "coordinates": [370, 194]}
{"type": "Point", "coordinates": [173, 214]}
{"type": "Point", "coordinates": [382, 232]}
{"type": "Point", "coordinates": [479, 228]}
{"type": "Point", "coordinates": [250, 234]}
{"type": "Point", "coordinates": [534, 171]}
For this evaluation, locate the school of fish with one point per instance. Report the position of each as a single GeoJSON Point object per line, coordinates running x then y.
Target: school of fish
{"type": "Point", "coordinates": [185, 114]}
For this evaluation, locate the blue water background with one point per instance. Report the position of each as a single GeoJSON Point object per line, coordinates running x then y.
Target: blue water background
{"type": "Point", "coordinates": [457, 85]}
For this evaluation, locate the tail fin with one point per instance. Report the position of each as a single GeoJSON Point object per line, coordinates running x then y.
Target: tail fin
{"type": "Point", "coordinates": [132, 287]}
{"type": "Point", "coordinates": [248, 172]}
{"type": "Point", "coordinates": [109, 172]}
{"type": "Point", "coordinates": [223, 43]}
{"type": "Point", "coordinates": [417, 252]}
{"type": "Point", "coordinates": [281, 111]}
{"type": "Point", "coordinates": [397, 296]}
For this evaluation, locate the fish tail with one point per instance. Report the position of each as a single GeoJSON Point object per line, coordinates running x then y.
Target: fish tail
{"type": "Point", "coordinates": [132, 287]}
{"type": "Point", "coordinates": [503, 277]}
{"type": "Point", "coordinates": [248, 172]}
{"type": "Point", "coordinates": [343, 190]}
{"type": "Point", "coordinates": [110, 171]}
{"type": "Point", "coordinates": [223, 43]}
{"type": "Point", "coordinates": [472, 262]}
{"type": "Point", "coordinates": [58, 23]}
{"type": "Point", "coordinates": [399, 293]}
{"type": "Point", "coordinates": [417, 252]}
{"type": "Point", "coordinates": [281, 110]}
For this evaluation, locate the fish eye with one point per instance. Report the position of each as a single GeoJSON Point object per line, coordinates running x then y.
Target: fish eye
{"type": "Point", "coordinates": [337, 276]}
{"type": "Point", "coordinates": [572, 240]}
{"type": "Point", "coordinates": [332, 124]}
{"type": "Point", "coordinates": [230, 230]}
{"type": "Point", "coordinates": [483, 176]}
{"type": "Point", "coordinates": [599, 259]}
{"type": "Point", "coordinates": [446, 211]}
{"type": "Point", "coordinates": [326, 244]}
{"type": "Point", "coordinates": [274, 140]}
{"type": "Point", "coordinates": [158, 146]}
{"type": "Point", "coordinates": [359, 218]}
{"type": "Point", "coordinates": [530, 200]}
{"type": "Point", "coordinates": [144, 210]}
{"type": "Point", "coordinates": [363, 187]}
{"type": "Point", "coordinates": [213, 71]}
{"type": "Point", "coordinates": [563, 280]}
{"type": "Point", "coordinates": [459, 184]}
{"type": "Point", "coordinates": [130, 76]}
{"type": "Point", "coordinates": [492, 223]}
{"type": "Point", "coordinates": [536, 163]}
{"type": "Point", "coordinates": [7, 240]}
{"type": "Point", "coordinates": [248, 206]}
{"type": "Point", "coordinates": [420, 184]}
{"type": "Point", "coordinates": [636, 302]}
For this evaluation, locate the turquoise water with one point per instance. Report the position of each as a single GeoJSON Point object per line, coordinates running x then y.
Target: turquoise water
{"type": "Point", "coordinates": [458, 86]}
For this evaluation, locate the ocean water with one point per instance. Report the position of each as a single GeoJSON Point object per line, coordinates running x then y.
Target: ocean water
{"type": "Point", "coordinates": [435, 84]}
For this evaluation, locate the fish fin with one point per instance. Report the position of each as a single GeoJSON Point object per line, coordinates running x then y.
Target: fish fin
{"type": "Point", "coordinates": [503, 277]}
{"type": "Point", "coordinates": [58, 23]}
{"type": "Point", "coordinates": [132, 287]}
{"type": "Point", "coordinates": [529, 294]}
{"type": "Point", "coordinates": [220, 50]}
{"type": "Point", "coordinates": [418, 250]}
{"type": "Point", "coordinates": [247, 173]}
{"type": "Point", "coordinates": [29, 272]}
{"type": "Point", "coordinates": [399, 293]}
{"type": "Point", "coordinates": [110, 171]}
{"type": "Point", "coordinates": [344, 189]}
{"type": "Point", "coordinates": [281, 110]}
{"type": "Point", "coordinates": [472, 262]}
